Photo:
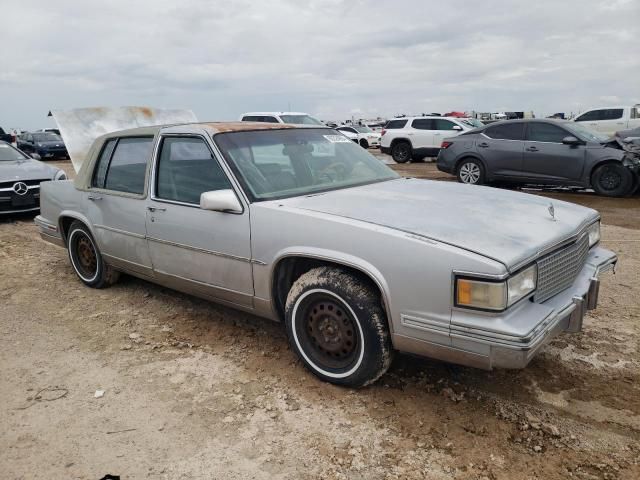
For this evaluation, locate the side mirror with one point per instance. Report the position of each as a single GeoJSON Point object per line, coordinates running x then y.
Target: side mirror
{"type": "Point", "coordinates": [456, 127]}
{"type": "Point", "coordinates": [35, 156]}
{"type": "Point", "coordinates": [570, 140]}
{"type": "Point", "coordinates": [220, 201]}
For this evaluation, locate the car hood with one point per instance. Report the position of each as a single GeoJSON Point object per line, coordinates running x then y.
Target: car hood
{"type": "Point", "coordinates": [25, 170]}
{"type": "Point", "coordinates": [509, 227]}
{"type": "Point", "coordinates": [51, 143]}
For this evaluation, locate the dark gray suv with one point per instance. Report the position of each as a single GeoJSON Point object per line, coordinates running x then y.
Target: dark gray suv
{"type": "Point", "coordinates": [541, 152]}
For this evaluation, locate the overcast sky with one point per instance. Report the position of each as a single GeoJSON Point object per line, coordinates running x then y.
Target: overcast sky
{"type": "Point", "coordinates": [331, 58]}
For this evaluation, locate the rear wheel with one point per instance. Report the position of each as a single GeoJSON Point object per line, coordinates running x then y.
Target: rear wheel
{"type": "Point", "coordinates": [470, 171]}
{"type": "Point", "coordinates": [86, 259]}
{"type": "Point", "coordinates": [612, 180]}
{"type": "Point", "coordinates": [336, 324]}
{"type": "Point", "coordinates": [401, 152]}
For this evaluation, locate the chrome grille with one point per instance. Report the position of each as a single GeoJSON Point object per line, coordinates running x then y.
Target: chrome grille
{"type": "Point", "coordinates": [557, 271]}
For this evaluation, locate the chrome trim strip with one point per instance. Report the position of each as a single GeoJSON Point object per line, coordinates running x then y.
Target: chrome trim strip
{"type": "Point", "coordinates": [424, 324]}
{"type": "Point", "coordinates": [29, 187]}
{"type": "Point", "coordinates": [117, 230]}
{"type": "Point", "coordinates": [201, 250]}
{"type": "Point", "coordinates": [44, 224]}
{"type": "Point", "coordinates": [206, 285]}
{"type": "Point", "coordinates": [55, 240]}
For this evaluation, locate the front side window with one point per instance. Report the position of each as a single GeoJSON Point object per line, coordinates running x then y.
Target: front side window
{"type": "Point", "coordinates": [186, 169]}
{"type": "Point", "coordinates": [423, 124]}
{"type": "Point", "coordinates": [545, 132]}
{"type": "Point", "coordinates": [506, 131]}
{"type": "Point", "coordinates": [128, 165]}
{"type": "Point", "coordinates": [287, 163]}
{"type": "Point", "coordinates": [441, 124]}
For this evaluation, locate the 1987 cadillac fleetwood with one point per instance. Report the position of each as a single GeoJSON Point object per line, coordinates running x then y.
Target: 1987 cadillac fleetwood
{"type": "Point", "coordinates": [304, 226]}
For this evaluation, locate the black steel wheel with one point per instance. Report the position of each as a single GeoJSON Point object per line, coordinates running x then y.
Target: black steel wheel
{"type": "Point", "coordinates": [336, 324]}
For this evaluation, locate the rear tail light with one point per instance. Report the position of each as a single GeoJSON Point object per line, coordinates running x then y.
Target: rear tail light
{"type": "Point", "coordinates": [383, 132]}
{"type": "Point", "coordinates": [446, 145]}
{"type": "Point", "coordinates": [13, 139]}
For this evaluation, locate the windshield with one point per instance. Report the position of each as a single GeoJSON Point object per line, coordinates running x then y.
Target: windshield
{"type": "Point", "coordinates": [288, 163]}
{"type": "Point", "coordinates": [10, 154]}
{"type": "Point", "coordinates": [300, 120]}
{"type": "Point", "coordinates": [473, 122]}
{"type": "Point", "coordinates": [46, 137]}
{"type": "Point", "coordinates": [363, 129]}
{"type": "Point", "coordinates": [585, 133]}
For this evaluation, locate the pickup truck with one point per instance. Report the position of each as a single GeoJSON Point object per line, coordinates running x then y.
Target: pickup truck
{"type": "Point", "coordinates": [610, 120]}
{"type": "Point", "coordinates": [265, 218]}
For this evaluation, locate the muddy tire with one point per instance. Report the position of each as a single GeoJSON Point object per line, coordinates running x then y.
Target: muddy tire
{"type": "Point", "coordinates": [612, 180]}
{"type": "Point", "coordinates": [364, 144]}
{"type": "Point", "coordinates": [401, 152]}
{"type": "Point", "coordinates": [336, 324]}
{"type": "Point", "coordinates": [470, 171]}
{"type": "Point", "coordinates": [86, 259]}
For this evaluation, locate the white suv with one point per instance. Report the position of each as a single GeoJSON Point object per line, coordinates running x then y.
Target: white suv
{"type": "Point", "coordinates": [292, 118]}
{"type": "Point", "coordinates": [418, 137]}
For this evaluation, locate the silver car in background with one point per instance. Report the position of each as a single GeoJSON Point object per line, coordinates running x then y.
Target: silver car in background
{"type": "Point", "coordinates": [303, 226]}
{"type": "Point", "coordinates": [20, 177]}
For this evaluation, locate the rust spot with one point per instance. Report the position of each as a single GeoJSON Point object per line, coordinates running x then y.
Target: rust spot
{"type": "Point", "coordinates": [146, 111]}
{"type": "Point", "coordinates": [220, 127]}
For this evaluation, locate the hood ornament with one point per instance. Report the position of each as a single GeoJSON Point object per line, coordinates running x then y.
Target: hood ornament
{"type": "Point", "coordinates": [552, 211]}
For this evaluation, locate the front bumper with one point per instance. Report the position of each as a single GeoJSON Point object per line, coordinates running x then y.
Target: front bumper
{"type": "Point", "coordinates": [513, 338]}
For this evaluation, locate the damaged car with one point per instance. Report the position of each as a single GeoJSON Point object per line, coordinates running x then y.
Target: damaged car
{"type": "Point", "coordinates": [252, 215]}
{"type": "Point", "coordinates": [542, 152]}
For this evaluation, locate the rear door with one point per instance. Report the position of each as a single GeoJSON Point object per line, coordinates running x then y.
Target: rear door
{"type": "Point", "coordinates": [191, 248]}
{"type": "Point", "coordinates": [547, 158]}
{"type": "Point", "coordinates": [443, 128]}
{"type": "Point", "coordinates": [421, 133]}
{"type": "Point", "coordinates": [116, 202]}
{"type": "Point", "coordinates": [502, 148]}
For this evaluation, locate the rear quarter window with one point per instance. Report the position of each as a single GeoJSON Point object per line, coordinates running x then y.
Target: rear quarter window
{"type": "Point", "coordinates": [395, 124]}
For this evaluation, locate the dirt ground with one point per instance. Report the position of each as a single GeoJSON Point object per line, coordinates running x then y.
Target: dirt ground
{"type": "Point", "coordinates": [196, 390]}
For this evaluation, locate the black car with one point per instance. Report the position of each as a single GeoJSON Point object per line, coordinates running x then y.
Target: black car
{"type": "Point", "coordinates": [541, 152]}
{"type": "Point", "coordinates": [48, 145]}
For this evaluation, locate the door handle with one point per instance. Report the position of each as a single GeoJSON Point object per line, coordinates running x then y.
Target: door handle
{"type": "Point", "coordinates": [531, 149]}
{"type": "Point", "coordinates": [156, 209]}
{"type": "Point", "coordinates": [93, 198]}
{"type": "Point", "coordinates": [483, 145]}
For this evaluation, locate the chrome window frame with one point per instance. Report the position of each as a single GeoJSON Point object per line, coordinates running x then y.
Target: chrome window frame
{"type": "Point", "coordinates": [215, 155]}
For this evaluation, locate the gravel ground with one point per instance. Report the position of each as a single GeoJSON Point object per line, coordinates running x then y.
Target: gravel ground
{"type": "Point", "coordinates": [196, 390]}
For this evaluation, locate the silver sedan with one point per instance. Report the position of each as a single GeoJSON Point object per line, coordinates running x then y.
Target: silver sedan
{"type": "Point", "coordinates": [303, 226]}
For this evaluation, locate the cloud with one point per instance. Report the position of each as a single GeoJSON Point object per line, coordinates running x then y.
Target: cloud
{"type": "Point", "coordinates": [332, 58]}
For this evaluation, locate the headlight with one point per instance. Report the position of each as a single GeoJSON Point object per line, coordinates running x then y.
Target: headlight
{"type": "Point", "coordinates": [594, 234]}
{"type": "Point", "coordinates": [496, 296]}
{"type": "Point", "coordinates": [60, 175]}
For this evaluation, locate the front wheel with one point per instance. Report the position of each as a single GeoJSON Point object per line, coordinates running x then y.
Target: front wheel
{"type": "Point", "coordinates": [612, 180]}
{"type": "Point", "coordinates": [364, 143]}
{"type": "Point", "coordinates": [470, 171]}
{"type": "Point", "coordinates": [86, 259]}
{"type": "Point", "coordinates": [337, 326]}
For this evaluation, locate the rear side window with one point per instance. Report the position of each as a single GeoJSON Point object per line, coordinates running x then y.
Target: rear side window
{"type": "Point", "coordinates": [395, 124]}
{"type": "Point", "coordinates": [507, 131]}
{"type": "Point", "coordinates": [100, 172]}
{"type": "Point", "coordinates": [545, 132]}
{"type": "Point", "coordinates": [602, 114]}
{"type": "Point", "coordinates": [423, 124]}
{"type": "Point", "coordinates": [128, 165]}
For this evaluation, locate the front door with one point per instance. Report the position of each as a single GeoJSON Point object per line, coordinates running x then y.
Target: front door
{"type": "Point", "coordinates": [192, 249]}
{"type": "Point", "coordinates": [547, 158]}
{"type": "Point", "coordinates": [116, 203]}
